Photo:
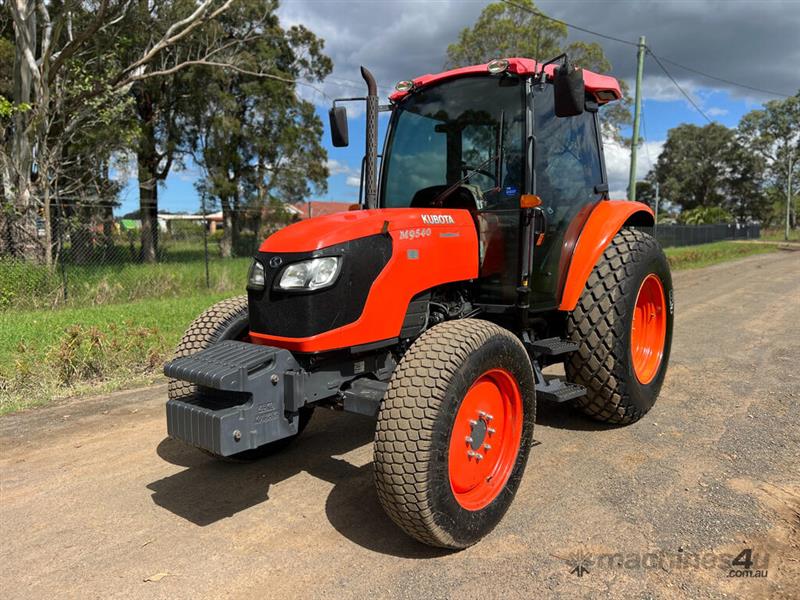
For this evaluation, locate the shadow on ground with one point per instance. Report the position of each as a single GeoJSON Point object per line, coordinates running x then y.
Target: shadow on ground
{"type": "Point", "coordinates": [209, 490]}
{"type": "Point", "coordinates": [566, 416]}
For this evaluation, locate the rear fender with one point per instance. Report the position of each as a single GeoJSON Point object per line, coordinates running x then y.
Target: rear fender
{"type": "Point", "coordinates": [607, 218]}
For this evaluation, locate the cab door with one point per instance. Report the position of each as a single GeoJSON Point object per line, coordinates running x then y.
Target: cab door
{"type": "Point", "coordinates": [569, 179]}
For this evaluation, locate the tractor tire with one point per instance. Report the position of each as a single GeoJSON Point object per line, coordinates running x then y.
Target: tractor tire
{"type": "Point", "coordinates": [623, 325]}
{"type": "Point", "coordinates": [464, 388]}
{"type": "Point", "coordinates": [225, 320]}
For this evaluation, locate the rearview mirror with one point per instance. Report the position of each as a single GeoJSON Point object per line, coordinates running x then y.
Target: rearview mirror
{"type": "Point", "coordinates": [570, 91]}
{"type": "Point", "coordinates": [339, 135]}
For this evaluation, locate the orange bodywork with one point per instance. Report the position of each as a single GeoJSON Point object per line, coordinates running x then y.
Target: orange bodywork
{"type": "Point", "coordinates": [607, 218]}
{"type": "Point", "coordinates": [429, 248]}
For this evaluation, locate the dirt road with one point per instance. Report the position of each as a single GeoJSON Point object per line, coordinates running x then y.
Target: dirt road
{"type": "Point", "coordinates": [95, 499]}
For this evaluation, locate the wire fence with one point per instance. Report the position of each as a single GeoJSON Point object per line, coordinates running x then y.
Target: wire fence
{"type": "Point", "coordinates": [693, 235]}
{"type": "Point", "coordinates": [98, 259]}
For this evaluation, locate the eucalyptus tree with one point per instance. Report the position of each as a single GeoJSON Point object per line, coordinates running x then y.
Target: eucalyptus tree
{"type": "Point", "coordinates": [257, 141]}
{"type": "Point", "coordinates": [65, 82]}
{"type": "Point", "coordinates": [504, 30]}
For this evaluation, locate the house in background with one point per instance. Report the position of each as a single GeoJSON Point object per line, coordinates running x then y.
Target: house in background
{"type": "Point", "coordinates": [165, 220]}
{"type": "Point", "coordinates": [319, 208]}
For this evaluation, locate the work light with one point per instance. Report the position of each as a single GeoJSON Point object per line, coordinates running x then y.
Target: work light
{"type": "Point", "coordinates": [498, 65]}
{"type": "Point", "coordinates": [309, 274]}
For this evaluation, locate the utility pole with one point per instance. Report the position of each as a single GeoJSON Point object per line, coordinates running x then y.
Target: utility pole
{"type": "Point", "coordinates": [637, 109]}
{"type": "Point", "coordinates": [789, 195]}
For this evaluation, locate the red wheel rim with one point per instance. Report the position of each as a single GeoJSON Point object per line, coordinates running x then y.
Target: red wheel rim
{"type": "Point", "coordinates": [485, 439]}
{"type": "Point", "coordinates": [649, 329]}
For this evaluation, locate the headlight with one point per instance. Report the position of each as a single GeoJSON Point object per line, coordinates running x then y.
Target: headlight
{"type": "Point", "coordinates": [310, 274]}
{"type": "Point", "coordinates": [255, 277]}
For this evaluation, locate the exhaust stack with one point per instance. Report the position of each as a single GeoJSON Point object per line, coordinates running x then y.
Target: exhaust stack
{"type": "Point", "coordinates": [371, 156]}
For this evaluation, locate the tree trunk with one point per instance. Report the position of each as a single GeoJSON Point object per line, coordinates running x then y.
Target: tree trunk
{"type": "Point", "coordinates": [21, 219]}
{"type": "Point", "coordinates": [147, 160]}
{"type": "Point", "coordinates": [226, 243]}
{"type": "Point", "coordinates": [236, 220]}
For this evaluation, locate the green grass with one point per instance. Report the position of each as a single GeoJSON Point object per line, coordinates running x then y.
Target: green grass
{"type": "Point", "coordinates": [102, 345]}
{"type": "Point", "coordinates": [695, 257]}
{"type": "Point", "coordinates": [779, 235]}
{"type": "Point", "coordinates": [46, 355]}
{"type": "Point", "coordinates": [24, 286]}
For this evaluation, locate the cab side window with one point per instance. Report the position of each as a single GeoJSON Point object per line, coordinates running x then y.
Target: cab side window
{"type": "Point", "coordinates": [567, 167]}
{"type": "Point", "coordinates": [567, 161]}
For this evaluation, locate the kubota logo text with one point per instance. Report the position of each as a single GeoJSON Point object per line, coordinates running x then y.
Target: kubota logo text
{"type": "Point", "coordinates": [438, 220]}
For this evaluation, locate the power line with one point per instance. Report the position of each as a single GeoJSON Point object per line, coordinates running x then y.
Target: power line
{"type": "Point", "coordinates": [677, 85]}
{"type": "Point", "coordinates": [629, 43]}
{"type": "Point", "coordinates": [723, 80]}
{"type": "Point", "coordinates": [570, 25]}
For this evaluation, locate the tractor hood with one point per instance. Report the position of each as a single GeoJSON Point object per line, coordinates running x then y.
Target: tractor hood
{"type": "Point", "coordinates": [321, 232]}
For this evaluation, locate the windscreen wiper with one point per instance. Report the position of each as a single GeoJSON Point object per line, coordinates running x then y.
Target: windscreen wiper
{"type": "Point", "coordinates": [469, 174]}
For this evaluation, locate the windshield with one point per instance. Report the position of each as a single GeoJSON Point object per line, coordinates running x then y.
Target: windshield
{"type": "Point", "coordinates": [471, 129]}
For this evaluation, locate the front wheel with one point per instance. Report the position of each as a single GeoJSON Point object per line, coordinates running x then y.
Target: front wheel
{"type": "Point", "coordinates": [623, 325]}
{"type": "Point", "coordinates": [454, 432]}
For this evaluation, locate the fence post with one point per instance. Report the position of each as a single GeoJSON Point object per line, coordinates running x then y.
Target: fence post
{"type": "Point", "coordinates": [62, 252]}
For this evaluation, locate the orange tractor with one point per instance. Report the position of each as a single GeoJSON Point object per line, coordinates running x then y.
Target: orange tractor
{"type": "Point", "coordinates": [484, 249]}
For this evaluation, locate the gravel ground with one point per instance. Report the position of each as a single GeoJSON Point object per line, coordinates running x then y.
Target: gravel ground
{"type": "Point", "coordinates": [98, 503]}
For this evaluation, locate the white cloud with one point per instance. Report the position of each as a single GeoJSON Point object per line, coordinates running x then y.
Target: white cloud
{"type": "Point", "coordinates": [716, 111]}
{"type": "Point", "coordinates": [395, 40]}
{"type": "Point", "coordinates": [336, 167]}
{"type": "Point", "coordinates": [751, 42]}
{"type": "Point", "coordinates": [618, 164]}
{"type": "Point", "coordinates": [353, 181]}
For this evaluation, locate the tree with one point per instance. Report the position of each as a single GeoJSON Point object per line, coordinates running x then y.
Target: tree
{"type": "Point", "coordinates": [773, 134]}
{"type": "Point", "coordinates": [706, 167]}
{"type": "Point", "coordinates": [70, 76]}
{"type": "Point", "coordinates": [257, 142]}
{"type": "Point", "coordinates": [503, 30]}
{"type": "Point", "coordinates": [705, 215]}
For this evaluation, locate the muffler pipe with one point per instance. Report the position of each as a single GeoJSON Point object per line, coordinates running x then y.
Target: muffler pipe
{"type": "Point", "coordinates": [371, 157]}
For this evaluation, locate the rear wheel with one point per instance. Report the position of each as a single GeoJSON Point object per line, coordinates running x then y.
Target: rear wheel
{"type": "Point", "coordinates": [225, 320]}
{"type": "Point", "coordinates": [454, 432]}
{"type": "Point", "coordinates": [623, 324]}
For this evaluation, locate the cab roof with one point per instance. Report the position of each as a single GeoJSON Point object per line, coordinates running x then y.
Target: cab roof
{"type": "Point", "coordinates": [603, 87]}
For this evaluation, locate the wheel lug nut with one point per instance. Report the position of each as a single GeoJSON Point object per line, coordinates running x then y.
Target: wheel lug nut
{"type": "Point", "coordinates": [478, 456]}
{"type": "Point", "coordinates": [491, 431]}
{"type": "Point", "coordinates": [487, 447]}
{"type": "Point", "coordinates": [473, 422]}
{"type": "Point", "coordinates": [468, 439]}
{"type": "Point", "coordinates": [486, 415]}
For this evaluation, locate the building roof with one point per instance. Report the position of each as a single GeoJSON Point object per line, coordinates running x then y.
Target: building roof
{"type": "Point", "coordinates": [522, 66]}
{"type": "Point", "coordinates": [318, 208]}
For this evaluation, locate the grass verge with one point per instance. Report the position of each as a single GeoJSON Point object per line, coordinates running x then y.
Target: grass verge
{"type": "Point", "coordinates": [695, 257]}
{"type": "Point", "coordinates": [47, 355]}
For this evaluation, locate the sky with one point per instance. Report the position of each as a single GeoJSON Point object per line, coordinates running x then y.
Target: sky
{"type": "Point", "coordinates": [755, 43]}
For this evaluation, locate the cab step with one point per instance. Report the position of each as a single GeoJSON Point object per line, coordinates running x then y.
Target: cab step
{"type": "Point", "coordinates": [556, 390]}
{"type": "Point", "coordinates": [554, 346]}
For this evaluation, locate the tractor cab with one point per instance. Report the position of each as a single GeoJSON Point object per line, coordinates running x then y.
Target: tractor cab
{"type": "Point", "coordinates": [515, 145]}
